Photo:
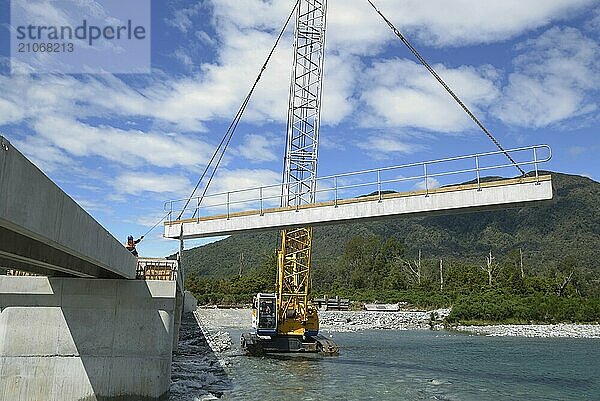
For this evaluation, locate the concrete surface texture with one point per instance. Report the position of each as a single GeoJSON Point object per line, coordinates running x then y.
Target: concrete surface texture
{"type": "Point", "coordinates": [190, 303]}
{"type": "Point", "coordinates": [67, 339]}
{"type": "Point", "coordinates": [445, 200]}
{"type": "Point", "coordinates": [43, 230]}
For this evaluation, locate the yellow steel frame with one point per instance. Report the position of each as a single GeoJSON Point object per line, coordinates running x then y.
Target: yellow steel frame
{"type": "Point", "coordinates": [296, 313]}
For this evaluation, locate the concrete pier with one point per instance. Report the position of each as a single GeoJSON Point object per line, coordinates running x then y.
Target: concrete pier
{"type": "Point", "coordinates": [85, 339]}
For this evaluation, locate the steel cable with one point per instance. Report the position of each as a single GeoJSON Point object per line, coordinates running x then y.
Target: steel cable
{"type": "Point", "coordinates": [234, 123]}
{"type": "Point", "coordinates": [448, 89]}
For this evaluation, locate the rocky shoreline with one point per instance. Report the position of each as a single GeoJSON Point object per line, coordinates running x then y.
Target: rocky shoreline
{"type": "Point", "coordinates": [217, 321]}
{"type": "Point", "coordinates": [344, 321]}
{"type": "Point", "coordinates": [197, 371]}
{"type": "Point", "coordinates": [534, 330]}
{"type": "Point", "coordinates": [218, 340]}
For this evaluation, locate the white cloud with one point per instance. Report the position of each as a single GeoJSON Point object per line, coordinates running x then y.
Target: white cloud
{"type": "Point", "coordinates": [401, 93]}
{"type": "Point", "coordinates": [43, 154]}
{"type": "Point", "coordinates": [353, 26]}
{"type": "Point", "coordinates": [429, 183]}
{"type": "Point", "coordinates": [594, 23]}
{"type": "Point", "coordinates": [339, 87]}
{"type": "Point", "coordinates": [214, 93]}
{"type": "Point", "coordinates": [252, 13]}
{"type": "Point", "coordinates": [330, 141]}
{"type": "Point", "coordinates": [129, 147]}
{"type": "Point", "coordinates": [552, 81]}
{"type": "Point", "coordinates": [185, 59]}
{"type": "Point", "coordinates": [49, 94]}
{"type": "Point", "coordinates": [232, 180]}
{"type": "Point", "coordinates": [205, 38]}
{"type": "Point", "coordinates": [93, 206]}
{"type": "Point", "coordinates": [182, 18]}
{"type": "Point", "coordinates": [259, 148]}
{"type": "Point", "coordinates": [464, 22]}
{"type": "Point", "coordinates": [243, 186]}
{"type": "Point", "coordinates": [9, 112]}
{"type": "Point", "coordinates": [246, 31]}
{"type": "Point", "coordinates": [136, 183]}
{"type": "Point", "coordinates": [381, 147]}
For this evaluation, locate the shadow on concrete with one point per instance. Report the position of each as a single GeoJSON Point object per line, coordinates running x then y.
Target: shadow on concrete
{"type": "Point", "coordinates": [123, 333]}
{"type": "Point", "coordinates": [196, 370]}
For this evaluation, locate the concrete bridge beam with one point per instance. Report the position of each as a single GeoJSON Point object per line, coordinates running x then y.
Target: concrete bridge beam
{"type": "Point", "coordinates": [500, 194]}
{"type": "Point", "coordinates": [43, 230]}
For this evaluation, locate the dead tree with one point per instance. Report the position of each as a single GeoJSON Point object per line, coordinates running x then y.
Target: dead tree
{"type": "Point", "coordinates": [414, 268]}
{"type": "Point", "coordinates": [489, 267]}
{"type": "Point", "coordinates": [565, 282]}
{"type": "Point", "coordinates": [241, 264]}
{"type": "Point", "coordinates": [441, 276]}
{"type": "Point", "coordinates": [521, 263]}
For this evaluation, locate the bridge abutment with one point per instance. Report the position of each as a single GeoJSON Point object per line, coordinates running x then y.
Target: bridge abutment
{"type": "Point", "coordinates": [86, 339]}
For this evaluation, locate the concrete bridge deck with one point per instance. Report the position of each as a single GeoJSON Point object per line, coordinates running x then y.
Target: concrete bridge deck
{"type": "Point", "coordinates": [452, 199]}
{"type": "Point", "coordinates": [43, 230]}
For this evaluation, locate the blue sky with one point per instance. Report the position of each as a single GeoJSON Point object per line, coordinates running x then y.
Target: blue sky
{"type": "Point", "coordinates": [123, 144]}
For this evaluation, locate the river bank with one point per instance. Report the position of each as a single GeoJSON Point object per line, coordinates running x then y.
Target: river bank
{"type": "Point", "coordinates": [219, 320]}
{"type": "Point", "coordinates": [562, 330]}
{"type": "Point", "coordinates": [198, 369]}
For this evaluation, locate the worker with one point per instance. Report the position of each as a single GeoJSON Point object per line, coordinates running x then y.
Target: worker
{"type": "Point", "coordinates": [131, 244]}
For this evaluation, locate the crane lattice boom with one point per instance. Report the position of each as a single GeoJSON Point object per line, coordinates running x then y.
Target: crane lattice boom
{"type": "Point", "coordinates": [300, 167]}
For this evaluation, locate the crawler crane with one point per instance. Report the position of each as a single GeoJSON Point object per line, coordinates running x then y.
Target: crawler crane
{"type": "Point", "coordinates": [286, 321]}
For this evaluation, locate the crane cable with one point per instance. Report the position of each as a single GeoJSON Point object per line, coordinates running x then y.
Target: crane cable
{"type": "Point", "coordinates": [441, 81]}
{"type": "Point", "coordinates": [234, 123]}
{"type": "Point", "coordinates": [155, 225]}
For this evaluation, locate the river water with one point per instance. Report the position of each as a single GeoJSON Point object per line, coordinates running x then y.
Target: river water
{"type": "Point", "coordinates": [411, 365]}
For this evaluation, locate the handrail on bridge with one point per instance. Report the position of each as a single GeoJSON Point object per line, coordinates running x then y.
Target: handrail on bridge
{"type": "Point", "coordinates": [257, 197]}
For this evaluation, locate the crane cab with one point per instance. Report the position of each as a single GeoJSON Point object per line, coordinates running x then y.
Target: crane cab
{"type": "Point", "coordinates": [264, 314]}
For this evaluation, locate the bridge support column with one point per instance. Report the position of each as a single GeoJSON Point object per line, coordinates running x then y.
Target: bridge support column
{"type": "Point", "coordinates": [85, 339]}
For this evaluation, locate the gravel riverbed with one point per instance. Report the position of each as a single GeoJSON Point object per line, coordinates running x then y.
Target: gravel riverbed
{"type": "Point", "coordinates": [330, 321]}
{"type": "Point", "coordinates": [334, 321]}
{"type": "Point", "coordinates": [535, 330]}
{"type": "Point", "coordinates": [219, 320]}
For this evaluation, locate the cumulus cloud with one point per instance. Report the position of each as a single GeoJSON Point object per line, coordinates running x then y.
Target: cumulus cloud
{"type": "Point", "coordinates": [401, 93]}
{"type": "Point", "coordinates": [427, 184]}
{"type": "Point", "coordinates": [182, 18]}
{"type": "Point", "coordinates": [243, 186]}
{"type": "Point", "coordinates": [593, 24]}
{"type": "Point", "coordinates": [354, 27]}
{"type": "Point", "coordinates": [246, 30]}
{"type": "Point", "coordinates": [10, 112]}
{"type": "Point", "coordinates": [466, 22]}
{"type": "Point", "coordinates": [259, 148]}
{"type": "Point", "coordinates": [232, 180]}
{"type": "Point", "coordinates": [553, 79]}
{"type": "Point", "coordinates": [129, 147]}
{"type": "Point", "coordinates": [136, 183]}
{"type": "Point", "coordinates": [383, 146]}
{"type": "Point", "coordinates": [43, 154]}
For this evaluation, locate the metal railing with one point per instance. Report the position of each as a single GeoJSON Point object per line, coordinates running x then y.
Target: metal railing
{"type": "Point", "coordinates": [340, 186]}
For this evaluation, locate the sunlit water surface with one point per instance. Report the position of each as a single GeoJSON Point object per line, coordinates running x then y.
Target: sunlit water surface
{"type": "Point", "coordinates": [424, 365]}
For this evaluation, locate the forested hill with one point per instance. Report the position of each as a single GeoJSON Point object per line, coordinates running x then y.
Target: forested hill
{"type": "Point", "coordinates": [566, 230]}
